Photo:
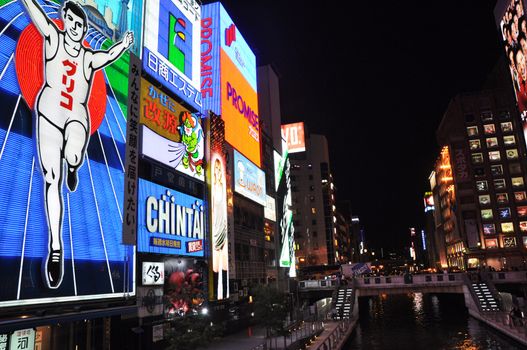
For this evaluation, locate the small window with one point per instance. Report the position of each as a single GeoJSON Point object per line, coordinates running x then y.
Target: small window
{"type": "Point", "coordinates": [482, 186]}
{"type": "Point", "coordinates": [494, 156]}
{"type": "Point", "coordinates": [477, 158]}
{"type": "Point", "coordinates": [517, 182]}
{"type": "Point", "coordinates": [470, 118]}
{"type": "Point", "coordinates": [520, 196]}
{"type": "Point", "coordinates": [499, 184]}
{"type": "Point", "coordinates": [512, 153]}
{"type": "Point", "coordinates": [509, 140]}
{"type": "Point", "coordinates": [489, 229]}
{"type": "Point", "coordinates": [474, 145]}
{"type": "Point", "coordinates": [478, 171]}
{"type": "Point", "coordinates": [492, 142]}
{"type": "Point", "coordinates": [523, 226]}
{"type": "Point", "coordinates": [484, 199]}
{"type": "Point", "coordinates": [486, 116]}
{"type": "Point", "coordinates": [502, 198]}
{"type": "Point", "coordinates": [509, 242]}
{"type": "Point", "coordinates": [515, 168]}
{"type": "Point", "coordinates": [486, 214]}
{"type": "Point", "coordinates": [503, 115]}
{"type": "Point", "coordinates": [504, 213]}
{"type": "Point", "coordinates": [491, 243]}
{"type": "Point", "coordinates": [507, 227]}
{"type": "Point", "coordinates": [489, 129]}
{"type": "Point", "coordinates": [313, 210]}
{"type": "Point", "coordinates": [522, 211]}
{"type": "Point", "coordinates": [506, 127]}
{"type": "Point", "coordinates": [496, 170]}
{"type": "Point", "coordinates": [472, 131]}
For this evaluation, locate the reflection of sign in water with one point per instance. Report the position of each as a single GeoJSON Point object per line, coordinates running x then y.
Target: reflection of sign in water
{"type": "Point", "coordinates": [249, 180]}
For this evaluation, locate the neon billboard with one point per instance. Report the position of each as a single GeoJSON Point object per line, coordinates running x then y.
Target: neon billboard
{"type": "Point", "coordinates": [249, 180]}
{"type": "Point", "coordinates": [228, 80]}
{"type": "Point", "coordinates": [62, 146]}
{"type": "Point", "coordinates": [294, 136]}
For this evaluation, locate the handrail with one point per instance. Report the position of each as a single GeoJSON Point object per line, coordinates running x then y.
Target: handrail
{"type": "Point", "coordinates": [334, 338]}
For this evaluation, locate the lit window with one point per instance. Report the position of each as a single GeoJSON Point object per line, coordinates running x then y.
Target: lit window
{"type": "Point", "coordinates": [472, 131]}
{"type": "Point", "coordinates": [509, 140]}
{"type": "Point", "coordinates": [507, 227]}
{"type": "Point", "coordinates": [489, 129]}
{"type": "Point", "coordinates": [492, 142]}
{"type": "Point", "coordinates": [486, 214]}
{"type": "Point", "coordinates": [506, 127]}
{"type": "Point", "coordinates": [512, 153]}
{"type": "Point", "coordinates": [313, 210]}
{"type": "Point", "coordinates": [494, 156]}
{"type": "Point", "coordinates": [474, 145]}
{"type": "Point", "coordinates": [517, 182]}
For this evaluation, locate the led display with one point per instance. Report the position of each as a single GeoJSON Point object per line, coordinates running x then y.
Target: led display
{"type": "Point", "coordinates": [294, 136]}
{"type": "Point", "coordinates": [249, 180]}
{"type": "Point", "coordinates": [171, 134]}
{"type": "Point", "coordinates": [270, 208]}
{"type": "Point", "coordinates": [169, 222]}
{"type": "Point", "coordinates": [228, 80]}
{"type": "Point", "coordinates": [171, 51]}
{"type": "Point", "coordinates": [62, 170]}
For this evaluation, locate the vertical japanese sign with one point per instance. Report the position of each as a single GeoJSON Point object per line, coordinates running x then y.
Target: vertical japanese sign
{"type": "Point", "coordinates": [132, 153]}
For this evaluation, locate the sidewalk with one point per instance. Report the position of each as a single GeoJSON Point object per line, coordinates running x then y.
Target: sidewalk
{"type": "Point", "coordinates": [248, 339]}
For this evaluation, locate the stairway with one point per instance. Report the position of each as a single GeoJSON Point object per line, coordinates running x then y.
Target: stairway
{"type": "Point", "coordinates": [486, 300]}
{"type": "Point", "coordinates": [343, 302]}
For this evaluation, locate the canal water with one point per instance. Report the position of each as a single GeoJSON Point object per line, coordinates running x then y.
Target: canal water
{"type": "Point", "coordinates": [422, 322]}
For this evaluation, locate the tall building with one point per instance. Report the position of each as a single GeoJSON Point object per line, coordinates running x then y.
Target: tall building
{"type": "Point", "coordinates": [430, 231]}
{"type": "Point", "coordinates": [314, 204]}
{"type": "Point", "coordinates": [480, 196]}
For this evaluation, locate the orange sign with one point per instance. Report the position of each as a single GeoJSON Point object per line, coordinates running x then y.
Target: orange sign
{"type": "Point", "coordinates": [239, 102]}
{"type": "Point", "coordinates": [294, 135]}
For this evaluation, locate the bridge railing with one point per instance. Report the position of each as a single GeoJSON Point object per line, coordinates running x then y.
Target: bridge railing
{"type": "Point", "coordinates": [378, 281]}
{"type": "Point", "coordinates": [507, 276]}
{"type": "Point", "coordinates": [318, 284]}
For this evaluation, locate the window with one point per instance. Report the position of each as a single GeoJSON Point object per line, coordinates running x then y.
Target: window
{"type": "Point", "coordinates": [496, 170]}
{"type": "Point", "coordinates": [520, 196]}
{"type": "Point", "coordinates": [509, 242]}
{"type": "Point", "coordinates": [504, 115]}
{"type": "Point", "coordinates": [492, 142]}
{"type": "Point", "coordinates": [474, 145]}
{"type": "Point", "coordinates": [523, 226]}
{"type": "Point", "coordinates": [313, 210]}
{"type": "Point", "coordinates": [517, 182]}
{"type": "Point", "coordinates": [515, 168]}
{"type": "Point", "coordinates": [486, 214]}
{"type": "Point", "coordinates": [502, 198]}
{"type": "Point", "coordinates": [484, 199]}
{"type": "Point", "coordinates": [489, 229]}
{"type": "Point", "coordinates": [477, 158]}
{"type": "Point", "coordinates": [489, 129]}
{"type": "Point", "coordinates": [525, 242]}
{"type": "Point", "coordinates": [482, 185]}
{"type": "Point", "coordinates": [485, 116]}
{"type": "Point", "coordinates": [478, 171]}
{"type": "Point", "coordinates": [509, 140]}
{"type": "Point", "coordinates": [504, 213]}
{"type": "Point", "coordinates": [499, 184]}
{"type": "Point", "coordinates": [521, 211]}
{"type": "Point", "coordinates": [472, 131]}
{"type": "Point", "coordinates": [512, 153]}
{"type": "Point", "coordinates": [494, 156]}
{"type": "Point", "coordinates": [506, 127]}
{"type": "Point", "coordinates": [507, 227]}
{"type": "Point", "coordinates": [491, 243]}
{"type": "Point", "coordinates": [470, 118]}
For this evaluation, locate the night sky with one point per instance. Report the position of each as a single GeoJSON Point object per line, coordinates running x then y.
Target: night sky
{"type": "Point", "coordinates": [376, 81]}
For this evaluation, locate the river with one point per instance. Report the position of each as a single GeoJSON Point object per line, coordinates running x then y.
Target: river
{"type": "Point", "coordinates": [422, 322]}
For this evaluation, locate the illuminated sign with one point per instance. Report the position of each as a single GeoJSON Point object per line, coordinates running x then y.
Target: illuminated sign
{"type": "Point", "coordinates": [249, 180]}
{"type": "Point", "coordinates": [171, 134]}
{"type": "Point", "coordinates": [64, 177]}
{"type": "Point", "coordinates": [228, 73]}
{"type": "Point", "coordinates": [172, 47]}
{"type": "Point", "coordinates": [423, 239]}
{"type": "Point", "coordinates": [270, 208]}
{"type": "Point", "coordinates": [22, 339]}
{"type": "Point", "coordinates": [294, 136]}
{"type": "Point", "coordinates": [169, 222]}
{"type": "Point", "coordinates": [287, 229]}
{"type": "Point", "coordinates": [220, 238]}
{"type": "Point", "coordinates": [153, 273]}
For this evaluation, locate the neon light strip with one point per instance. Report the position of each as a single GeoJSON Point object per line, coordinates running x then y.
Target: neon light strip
{"type": "Point", "coordinates": [115, 115]}
{"type": "Point", "coordinates": [62, 299]}
{"type": "Point", "coordinates": [9, 128]}
{"type": "Point", "coordinates": [25, 231]}
{"type": "Point", "coordinates": [113, 139]}
{"type": "Point", "coordinates": [100, 224]}
{"type": "Point", "coordinates": [6, 66]}
{"type": "Point", "coordinates": [111, 181]}
{"type": "Point", "coordinates": [71, 245]}
{"type": "Point", "coordinates": [11, 22]}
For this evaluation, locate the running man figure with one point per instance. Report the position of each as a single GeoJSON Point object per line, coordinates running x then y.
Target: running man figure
{"type": "Point", "coordinates": [63, 120]}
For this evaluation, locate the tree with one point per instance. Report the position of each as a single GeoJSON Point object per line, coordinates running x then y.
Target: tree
{"type": "Point", "coordinates": [270, 308]}
{"type": "Point", "coordinates": [192, 332]}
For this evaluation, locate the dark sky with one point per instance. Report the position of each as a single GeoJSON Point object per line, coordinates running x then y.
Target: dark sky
{"type": "Point", "coordinates": [376, 81]}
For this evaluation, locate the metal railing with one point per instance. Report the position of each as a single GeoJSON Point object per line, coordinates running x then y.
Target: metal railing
{"type": "Point", "coordinates": [335, 338]}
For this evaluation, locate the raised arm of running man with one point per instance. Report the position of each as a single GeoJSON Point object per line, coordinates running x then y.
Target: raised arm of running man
{"type": "Point", "coordinates": [101, 59]}
{"type": "Point", "coordinates": [43, 23]}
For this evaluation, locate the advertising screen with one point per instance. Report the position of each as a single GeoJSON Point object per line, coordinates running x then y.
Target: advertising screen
{"type": "Point", "coordinates": [513, 29]}
{"type": "Point", "coordinates": [169, 222]}
{"type": "Point", "coordinates": [249, 180]}
{"type": "Point", "coordinates": [171, 134]}
{"type": "Point", "coordinates": [171, 51]}
{"type": "Point", "coordinates": [270, 208]}
{"type": "Point", "coordinates": [294, 136]}
{"type": "Point", "coordinates": [232, 94]}
{"type": "Point", "coordinates": [61, 159]}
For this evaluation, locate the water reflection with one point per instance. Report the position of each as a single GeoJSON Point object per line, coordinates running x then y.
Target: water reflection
{"type": "Point", "coordinates": [422, 321]}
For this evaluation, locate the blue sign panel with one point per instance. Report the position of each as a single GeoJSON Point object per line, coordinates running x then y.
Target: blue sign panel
{"type": "Point", "coordinates": [169, 222]}
{"type": "Point", "coordinates": [249, 180]}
